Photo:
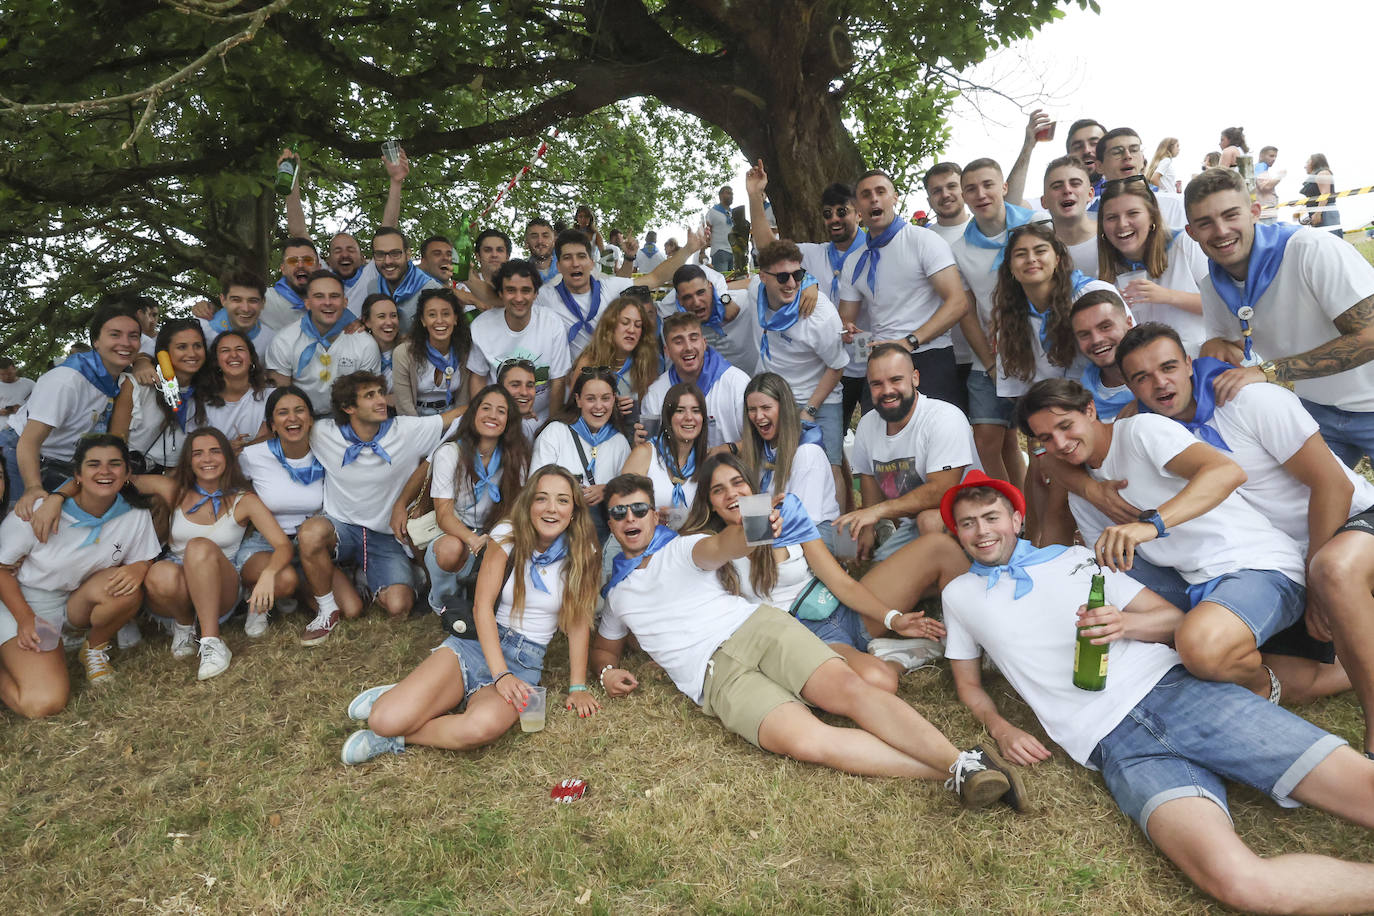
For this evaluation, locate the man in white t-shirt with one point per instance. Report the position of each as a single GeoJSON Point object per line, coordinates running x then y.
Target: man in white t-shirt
{"type": "Point", "coordinates": [1068, 191]}
{"type": "Point", "coordinates": [721, 222]}
{"type": "Point", "coordinates": [14, 390]}
{"type": "Point", "coordinates": [284, 303]}
{"type": "Point", "coordinates": [583, 294]}
{"type": "Point", "coordinates": [242, 298]}
{"type": "Point", "coordinates": [1308, 302]}
{"type": "Point", "coordinates": [946, 198]}
{"type": "Point", "coordinates": [755, 668]}
{"type": "Point", "coordinates": [393, 274]}
{"type": "Point", "coordinates": [1245, 577]}
{"type": "Point", "coordinates": [520, 332]}
{"type": "Point", "coordinates": [1081, 143]}
{"type": "Point", "coordinates": [907, 451]}
{"type": "Point", "coordinates": [519, 381]}
{"type": "Point", "coordinates": [146, 310]}
{"type": "Point", "coordinates": [491, 249]}
{"type": "Point", "coordinates": [650, 255]}
{"type": "Point", "coordinates": [1163, 740]}
{"type": "Point", "coordinates": [316, 351]}
{"type": "Point", "coordinates": [1120, 154]}
{"type": "Point", "coordinates": [367, 458]}
{"type": "Point", "coordinates": [907, 278]}
{"type": "Point", "coordinates": [693, 361]}
{"type": "Point", "coordinates": [539, 243]}
{"type": "Point", "coordinates": [702, 291]}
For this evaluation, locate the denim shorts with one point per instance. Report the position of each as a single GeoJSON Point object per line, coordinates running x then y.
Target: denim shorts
{"type": "Point", "coordinates": [1187, 735]}
{"type": "Point", "coordinates": [46, 603]}
{"type": "Point", "coordinates": [723, 260]}
{"type": "Point", "coordinates": [984, 406]}
{"type": "Point", "coordinates": [832, 431]}
{"type": "Point", "coordinates": [384, 561]}
{"type": "Point", "coordinates": [1349, 433]}
{"type": "Point", "coordinates": [1265, 600]}
{"type": "Point", "coordinates": [844, 627]}
{"type": "Point", "coordinates": [524, 657]}
{"type": "Point", "coordinates": [253, 543]}
{"type": "Point", "coordinates": [443, 585]}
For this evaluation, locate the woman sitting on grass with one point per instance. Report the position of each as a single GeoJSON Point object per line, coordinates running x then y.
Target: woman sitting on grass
{"type": "Point", "coordinates": [550, 546]}
{"type": "Point", "coordinates": [89, 572]}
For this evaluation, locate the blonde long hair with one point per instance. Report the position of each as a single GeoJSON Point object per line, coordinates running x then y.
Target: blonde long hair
{"type": "Point", "coordinates": [1167, 149]}
{"type": "Point", "coordinates": [602, 351]}
{"type": "Point", "coordinates": [582, 568]}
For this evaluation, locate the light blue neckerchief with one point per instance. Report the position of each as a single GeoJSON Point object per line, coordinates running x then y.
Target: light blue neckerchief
{"type": "Point", "coordinates": [318, 339]}
{"type": "Point", "coordinates": [729, 217]}
{"type": "Point", "coordinates": [1205, 371]}
{"type": "Point", "coordinates": [1266, 254]}
{"type": "Point", "coordinates": [486, 476]}
{"type": "Point", "coordinates": [1015, 216]}
{"type": "Point", "coordinates": [1025, 554]}
{"type": "Point", "coordinates": [411, 283]}
{"type": "Point", "coordinates": [594, 439]}
{"type": "Point", "coordinates": [83, 519]}
{"type": "Point", "coordinates": [623, 565]}
{"type": "Point", "coordinates": [220, 324]}
{"type": "Point", "coordinates": [581, 321]}
{"type": "Point", "coordinates": [213, 499]}
{"type": "Point", "coordinates": [1108, 405]}
{"type": "Point", "coordinates": [303, 476]}
{"type": "Point", "coordinates": [872, 252]}
{"type": "Point", "coordinates": [290, 295]}
{"type": "Point", "coordinates": [781, 319]}
{"type": "Point", "coordinates": [538, 561]}
{"type": "Point", "coordinates": [356, 444]}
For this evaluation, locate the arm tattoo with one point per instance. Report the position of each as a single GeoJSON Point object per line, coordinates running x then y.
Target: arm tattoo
{"type": "Point", "coordinates": [1354, 347]}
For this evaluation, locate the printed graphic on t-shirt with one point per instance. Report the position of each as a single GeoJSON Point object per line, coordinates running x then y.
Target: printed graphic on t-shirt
{"type": "Point", "coordinates": [897, 476]}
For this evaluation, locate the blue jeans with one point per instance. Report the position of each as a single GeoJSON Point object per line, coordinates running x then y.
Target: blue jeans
{"type": "Point", "coordinates": [723, 260]}
{"type": "Point", "coordinates": [524, 657]}
{"type": "Point", "coordinates": [984, 406]}
{"type": "Point", "coordinates": [443, 585]}
{"type": "Point", "coordinates": [1187, 735]}
{"type": "Point", "coordinates": [1349, 434]}
{"type": "Point", "coordinates": [844, 627]}
{"type": "Point", "coordinates": [831, 425]}
{"type": "Point", "coordinates": [381, 556]}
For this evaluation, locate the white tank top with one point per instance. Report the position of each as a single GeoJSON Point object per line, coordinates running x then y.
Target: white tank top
{"type": "Point", "coordinates": [226, 532]}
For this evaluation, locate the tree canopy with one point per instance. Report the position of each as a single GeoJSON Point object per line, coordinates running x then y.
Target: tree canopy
{"type": "Point", "coordinates": [142, 133]}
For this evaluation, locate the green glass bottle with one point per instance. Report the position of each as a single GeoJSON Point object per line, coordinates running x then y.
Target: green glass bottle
{"type": "Point", "coordinates": [1090, 661]}
{"type": "Point", "coordinates": [462, 250]}
{"type": "Point", "coordinates": [286, 174]}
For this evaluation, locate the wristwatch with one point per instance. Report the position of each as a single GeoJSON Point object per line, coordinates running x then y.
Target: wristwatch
{"type": "Point", "coordinates": [913, 341]}
{"type": "Point", "coordinates": [811, 410]}
{"type": "Point", "coordinates": [1271, 372]}
{"type": "Point", "coordinates": [1151, 516]}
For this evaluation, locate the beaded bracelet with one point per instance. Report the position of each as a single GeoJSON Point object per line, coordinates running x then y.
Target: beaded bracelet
{"type": "Point", "coordinates": [602, 676]}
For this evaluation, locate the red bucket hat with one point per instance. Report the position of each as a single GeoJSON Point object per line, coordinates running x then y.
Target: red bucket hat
{"type": "Point", "coordinates": [977, 478]}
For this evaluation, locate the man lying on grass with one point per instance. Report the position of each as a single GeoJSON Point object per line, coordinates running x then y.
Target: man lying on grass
{"type": "Point", "coordinates": [1163, 740]}
{"type": "Point", "coordinates": [756, 668]}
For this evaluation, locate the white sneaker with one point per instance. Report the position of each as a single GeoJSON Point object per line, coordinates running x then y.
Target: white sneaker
{"type": "Point", "coordinates": [254, 625]}
{"type": "Point", "coordinates": [183, 640]}
{"type": "Point", "coordinates": [361, 707]}
{"type": "Point", "coordinates": [128, 635]}
{"type": "Point", "coordinates": [214, 658]}
{"type": "Point", "coordinates": [911, 654]}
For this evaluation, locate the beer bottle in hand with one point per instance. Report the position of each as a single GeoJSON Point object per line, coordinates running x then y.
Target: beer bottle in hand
{"type": "Point", "coordinates": [462, 250]}
{"type": "Point", "coordinates": [1090, 661]}
{"type": "Point", "coordinates": [286, 174]}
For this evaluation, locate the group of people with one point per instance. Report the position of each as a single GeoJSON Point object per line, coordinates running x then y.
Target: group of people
{"type": "Point", "coordinates": [543, 446]}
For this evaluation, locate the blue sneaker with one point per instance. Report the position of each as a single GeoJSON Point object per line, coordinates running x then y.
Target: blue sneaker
{"type": "Point", "coordinates": [364, 744]}
{"type": "Point", "coordinates": [361, 707]}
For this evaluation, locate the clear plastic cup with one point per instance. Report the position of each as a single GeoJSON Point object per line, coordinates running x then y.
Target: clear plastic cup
{"type": "Point", "coordinates": [675, 517]}
{"type": "Point", "coordinates": [754, 511]}
{"type": "Point", "coordinates": [651, 425]}
{"type": "Point", "coordinates": [846, 547]}
{"type": "Point", "coordinates": [391, 151]}
{"type": "Point", "coordinates": [49, 636]}
{"type": "Point", "coordinates": [535, 714]}
{"type": "Point", "coordinates": [1046, 132]}
{"type": "Point", "coordinates": [861, 345]}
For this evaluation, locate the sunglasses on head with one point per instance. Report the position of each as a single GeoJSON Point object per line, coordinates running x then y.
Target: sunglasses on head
{"type": "Point", "coordinates": [618, 513]}
{"type": "Point", "coordinates": [782, 276]}
{"type": "Point", "coordinates": [1123, 182]}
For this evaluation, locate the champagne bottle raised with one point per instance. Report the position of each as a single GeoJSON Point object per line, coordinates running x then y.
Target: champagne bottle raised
{"type": "Point", "coordinates": [1090, 661]}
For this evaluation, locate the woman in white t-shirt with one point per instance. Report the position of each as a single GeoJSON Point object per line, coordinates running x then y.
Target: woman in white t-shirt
{"type": "Point", "coordinates": [212, 504]}
{"type": "Point", "coordinates": [474, 479]}
{"type": "Point", "coordinates": [89, 573]}
{"type": "Point", "coordinates": [626, 340]}
{"type": "Point", "coordinates": [289, 480]}
{"type": "Point", "coordinates": [1160, 171]}
{"type": "Point", "coordinates": [670, 459]}
{"type": "Point", "coordinates": [158, 429]}
{"type": "Point", "coordinates": [549, 546]}
{"type": "Point", "coordinates": [786, 454]}
{"type": "Point", "coordinates": [383, 322]}
{"type": "Point", "coordinates": [1155, 268]}
{"type": "Point", "coordinates": [430, 373]}
{"type": "Point", "coordinates": [798, 574]}
{"type": "Point", "coordinates": [592, 449]}
{"type": "Point", "coordinates": [230, 390]}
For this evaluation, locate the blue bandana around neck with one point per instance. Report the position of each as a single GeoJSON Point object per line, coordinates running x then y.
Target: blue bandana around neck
{"type": "Point", "coordinates": [289, 294]}
{"type": "Point", "coordinates": [781, 319]}
{"type": "Point", "coordinates": [678, 475]}
{"type": "Point", "coordinates": [83, 519]}
{"type": "Point", "coordinates": [1266, 254]}
{"type": "Point", "coordinates": [716, 320]}
{"type": "Point", "coordinates": [303, 476]}
{"type": "Point", "coordinates": [220, 324]}
{"type": "Point", "coordinates": [183, 409]}
{"type": "Point", "coordinates": [214, 499]}
{"type": "Point", "coordinates": [487, 482]}
{"type": "Point", "coordinates": [713, 366]}
{"type": "Point", "coordinates": [797, 526]}
{"type": "Point", "coordinates": [92, 369]}
{"type": "Point", "coordinates": [729, 217]}
{"type": "Point", "coordinates": [318, 339]}
{"type": "Point", "coordinates": [356, 444]}
{"type": "Point", "coordinates": [548, 274]}
{"type": "Point", "coordinates": [810, 434]}
{"type": "Point", "coordinates": [594, 439]}
{"type": "Point", "coordinates": [387, 361]}
{"type": "Point", "coordinates": [1077, 280]}
{"type": "Point", "coordinates": [539, 561]}
{"type": "Point", "coordinates": [411, 283]}
{"type": "Point", "coordinates": [649, 248]}
{"type": "Point", "coordinates": [446, 364]}
{"type": "Point", "coordinates": [872, 250]}
{"type": "Point", "coordinates": [836, 258]}
{"type": "Point", "coordinates": [623, 565]}
{"type": "Point", "coordinates": [1015, 216]}
{"type": "Point", "coordinates": [1025, 554]}
{"type": "Point", "coordinates": [350, 282]}
{"type": "Point", "coordinates": [583, 322]}
{"type": "Point", "coordinates": [1205, 371]}
{"type": "Point", "coordinates": [1108, 405]}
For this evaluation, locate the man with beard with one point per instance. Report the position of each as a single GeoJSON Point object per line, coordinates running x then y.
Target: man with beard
{"type": "Point", "coordinates": [539, 243]}
{"type": "Point", "coordinates": [284, 303]}
{"type": "Point", "coordinates": [1081, 143]}
{"type": "Point", "coordinates": [397, 277]}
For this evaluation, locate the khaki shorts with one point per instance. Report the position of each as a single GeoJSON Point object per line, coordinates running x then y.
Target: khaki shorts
{"type": "Point", "coordinates": [764, 664]}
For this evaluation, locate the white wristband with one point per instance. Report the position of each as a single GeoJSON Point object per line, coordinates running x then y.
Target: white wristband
{"type": "Point", "coordinates": [891, 615]}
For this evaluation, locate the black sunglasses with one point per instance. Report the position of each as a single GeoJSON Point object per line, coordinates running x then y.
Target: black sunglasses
{"type": "Point", "coordinates": [841, 212]}
{"type": "Point", "coordinates": [619, 512]}
{"type": "Point", "coordinates": [1122, 182]}
{"type": "Point", "coordinates": [782, 276]}
{"type": "Point", "coordinates": [518, 362]}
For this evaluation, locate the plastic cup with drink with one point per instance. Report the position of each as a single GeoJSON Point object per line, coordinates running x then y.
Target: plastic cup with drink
{"type": "Point", "coordinates": [535, 714]}
{"type": "Point", "coordinates": [754, 512]}
{"type": "Point", "coordinates": [391, 151]}
{"type": "Point", "coordinates": [49, 636]}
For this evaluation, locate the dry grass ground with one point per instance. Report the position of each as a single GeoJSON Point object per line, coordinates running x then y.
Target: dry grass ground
{"type": "Point", "coordinates": [164, 795]}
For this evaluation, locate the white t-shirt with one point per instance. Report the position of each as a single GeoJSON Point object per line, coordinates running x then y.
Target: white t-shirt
{"type": "Point", "coordinates": [405, 305]}
{"type": "Point", "coordinates": [277, 312]}
{"type": "Point", "coordinates": [611, 258]}
{"type": "Point", "coordinates": [950, 233]}
{"type": "Point", "coordinates": [14, 393]}
{"type": "Point", "coordinates": [72, 406]}
{"type": "Point", "coordinates": [1015, 387]}
{"type": "Point", "coordinates": [1265, 425]}
{"type": "Point", "coordinates": [1230, 537]}
{"type": "Point", "coordinates": [347, 353]}
{"type": "Point", "coordinates": [724, 405]}
{"type": "Point", "coordinates": [147, 345]}
{"type": "Point", "coordinates": [803, 352]}
{"type": "Point", "coordinates": [645, 262]}
{"type": "Point", "coordinates": [977, 267]}
{"type": "Point", "coordinates": [1320, 278]}
{"type": "Point", "coordinates": [363, 492]}
{"type": "Point", "coordinates": [1168, 182]}
{"type": "Point", "coordinates": [663, 483]}
{"type": "Point", "coordinates": [679, 613]}
{"type": "Point", "coordinates": [544, 342]}
{"type": "Point", "coordinates": [556, 445]}
{"type": "Point", "coordinates": [904, 299]}
{"type": "Point", "coordinates": [243, 417]}
{"type": "Point", "coordinates": [811, 481]}
{"type": "Point", "coordinates": [1032, 641]}
{"type": "Point", "coordinates": [364, 285]}
{"type": "Point", "coordinates": [737, 343]}
{"type": "Point", "coordinates": [936, 438]}
{"type": "Point", "coordinates": [449, 480]}
{"type": "Point", "coordinates": [720, 229]}
{"type": "Point", "coordinates": [289, 502]}
{"type": "Point", "coordinates": [1084, 257]}
{"type": "Point", "coordinates": [62, 564]}
{"type": "Point", "coordinates": [1186, 270]}
{"type": "Point", "coordinates": [539, 618]}
{"type": "Point", "coordinates": [550, 300]}
{"type": "Point", "coordinates": [260, 343]}
{"type": "Point", "coordinates": [151, 432]}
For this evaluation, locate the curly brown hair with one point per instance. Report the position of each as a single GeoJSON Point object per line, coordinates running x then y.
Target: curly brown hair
{"type": "Point", "coordinates": [1010, 309]}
